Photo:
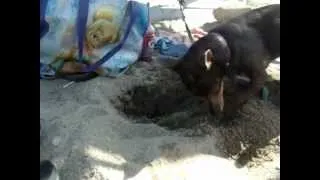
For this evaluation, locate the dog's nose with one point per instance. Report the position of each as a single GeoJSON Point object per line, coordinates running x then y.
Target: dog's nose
{"type": "Point", "coordinates": [216, 107]}
{"type": "Point", "coordinates": [216, 112]}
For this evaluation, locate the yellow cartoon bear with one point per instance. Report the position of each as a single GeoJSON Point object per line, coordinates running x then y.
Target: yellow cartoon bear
{"type": "Point", "coordinates": [103, 30]}
{"type": "Point", "coordinates": [104, 12]}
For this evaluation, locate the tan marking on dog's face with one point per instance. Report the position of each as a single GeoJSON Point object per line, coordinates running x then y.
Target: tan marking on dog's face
{"type": "Point", "coordinates": [216, 98]}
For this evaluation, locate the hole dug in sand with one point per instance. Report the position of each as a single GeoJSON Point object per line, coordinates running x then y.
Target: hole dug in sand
{"type": "Point", "coordinates": [252, 138]}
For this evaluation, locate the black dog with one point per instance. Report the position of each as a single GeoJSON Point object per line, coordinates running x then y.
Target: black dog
{"type": "Point", "coordinates": [243, 45]}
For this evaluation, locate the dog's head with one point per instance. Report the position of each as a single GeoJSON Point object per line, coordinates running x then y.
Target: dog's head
{"type": "Point", "coordinates": [203, 67]}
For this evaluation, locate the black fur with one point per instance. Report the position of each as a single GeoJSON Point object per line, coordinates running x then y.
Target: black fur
{"type": "Point", "coordinates": [253, 39]}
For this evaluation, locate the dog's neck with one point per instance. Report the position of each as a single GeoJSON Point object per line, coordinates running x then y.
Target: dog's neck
{"type": "Point", "coordinates": [226, 64]}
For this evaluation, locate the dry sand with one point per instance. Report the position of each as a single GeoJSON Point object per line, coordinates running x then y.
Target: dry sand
{"type": "Point", "coordinates": [87, 137]}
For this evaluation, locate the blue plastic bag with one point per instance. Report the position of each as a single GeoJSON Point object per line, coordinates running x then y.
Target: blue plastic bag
{"type": "Point", "coordinates": [107, 34]}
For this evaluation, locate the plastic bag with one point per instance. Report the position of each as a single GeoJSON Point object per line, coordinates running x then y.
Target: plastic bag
{"type": "Point", "coordinates": [112, 39]}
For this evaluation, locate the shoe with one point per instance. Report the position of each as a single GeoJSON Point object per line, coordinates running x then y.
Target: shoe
{"type": "Point", "coordinates": [48, 171]}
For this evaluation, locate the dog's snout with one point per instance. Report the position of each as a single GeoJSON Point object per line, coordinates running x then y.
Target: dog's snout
{"type": "Point", "coordinates": [215, 107]}
{"type": "Point", "coordinates": [216, 102]}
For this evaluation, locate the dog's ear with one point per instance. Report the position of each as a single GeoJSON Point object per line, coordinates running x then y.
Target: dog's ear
{"type": "Point", "coordinates": [208, 59]}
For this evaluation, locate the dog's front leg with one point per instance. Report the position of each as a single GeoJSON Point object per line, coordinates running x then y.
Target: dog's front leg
{"type": "Point", "coordinates": [258, 78]}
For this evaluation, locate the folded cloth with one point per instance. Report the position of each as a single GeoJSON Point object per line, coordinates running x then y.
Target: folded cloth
{"type": "Point", "coordinates": [168, 47]}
